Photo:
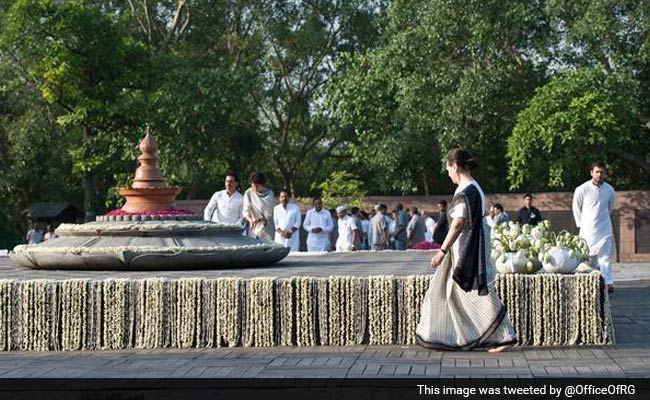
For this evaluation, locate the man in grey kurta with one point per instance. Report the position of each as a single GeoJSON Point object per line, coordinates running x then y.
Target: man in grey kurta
{"type": "Point", "coordinates": [259, 202]}
{"type": "Point", "coordinates": [378, 229]}
{"type": "Point", "coordinates": [416, 229]}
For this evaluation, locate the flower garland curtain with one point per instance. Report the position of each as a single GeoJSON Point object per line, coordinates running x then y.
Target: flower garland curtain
{"type": "Point", "coordinates": [41, 315]}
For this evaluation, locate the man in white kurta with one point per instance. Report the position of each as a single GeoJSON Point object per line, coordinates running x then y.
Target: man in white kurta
{"type": "Point", "coordinates": [593, 202]}
{"type": "Point", "coordinates": [318, 224]}
{"type": "Point", "coordinates": [286, 218]}
{"type": "Point", "coordinates": [347, 231]}
{"type": "Point", "coordinates": [226, 205]}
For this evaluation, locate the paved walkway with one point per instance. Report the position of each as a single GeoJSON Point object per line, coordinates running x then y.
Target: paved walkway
{"type": "Point", "coordinates": [629, 358]}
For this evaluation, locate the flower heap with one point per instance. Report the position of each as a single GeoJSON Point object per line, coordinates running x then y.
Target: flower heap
{"type": "Point", "coordinates": [525, 248]}
{"type": "Point", "coordinates": [516, 248]}
{"type": "Point", "coordinates": [563, 252]}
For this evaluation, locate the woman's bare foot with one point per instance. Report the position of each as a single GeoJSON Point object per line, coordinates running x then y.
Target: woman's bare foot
{"type": "Point", "coordinates": [498, 349]}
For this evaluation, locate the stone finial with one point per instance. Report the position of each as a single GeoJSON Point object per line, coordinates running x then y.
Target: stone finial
{"type": "Point", "coordinates": [148, 173]}
{"type": "Point", "coordinates": [149, 191]}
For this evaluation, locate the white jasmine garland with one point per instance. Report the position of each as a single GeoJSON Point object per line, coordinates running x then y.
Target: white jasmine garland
{"type": "Point", "coordinates": [150, 328]}
{"type": "Point", "coordinates": [322, 292]}
{"type": "Point", "coordinates": [145, 226]}
{"type": "Point", "coordinates": [361, 309]}
{"type": "Point", "coordinates": [305, 313]}
{"type": "Point", "coordinates": [334, 311]}
{"type": "Point", "coordinates": [36, 309]}
{"type": "Point", "coordinates": [320, 254]}
{"type": "Point", "coordinates": [95, 314]}
{"type": "Point", "coordinates": [381, 309]}
{"type": "Point", "coordinates": [5, 312]}
{"type": "Point", "coordinates": [118, 314]}
{"type": "Point", "coordinates": [229, 311]}
{"type": "Point", "coordinates": [73, 313]}
{"type": "Point", "coordinates": [21, 249]}
{"type": "Point", "coordinates": [76, 314]}
{"type": "Point", "coordinates": [208, 317]}
{"type": "Point", "coordinates": [259, 318]}
{"type": "Point", "coordinates": [285, 311]}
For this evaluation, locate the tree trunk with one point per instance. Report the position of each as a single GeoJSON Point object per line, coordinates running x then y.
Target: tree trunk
{"type": "Point", "coordinates": [89, 197]}
{"type": "Point", "coordinates": [89, 189]}
{"type": "Point", "coordinates": [425, 183]}
{"type": "Point", "coordinates": [288, 178]}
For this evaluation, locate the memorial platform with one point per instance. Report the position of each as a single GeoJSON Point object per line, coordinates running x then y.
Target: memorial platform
{"type": "Point", "coordinates": [336, 299]}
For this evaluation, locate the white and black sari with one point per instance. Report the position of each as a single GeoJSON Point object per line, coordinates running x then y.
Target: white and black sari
{"type": "Point", "coordinates": [461, 310]}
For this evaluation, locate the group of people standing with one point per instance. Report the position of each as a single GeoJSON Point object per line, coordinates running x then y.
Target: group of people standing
{"type": "Point", "coordinates": [36, 234]}
{"type": "Point", "coordinates": [528, 214]}
{"type": "Point", "coordinates": [338, 229]}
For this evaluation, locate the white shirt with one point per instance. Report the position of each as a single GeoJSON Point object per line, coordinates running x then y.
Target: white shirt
{"type": "Point", "coordinates": [430, 223]}
{"type": "Point", "coordinates": [225, 209]}
{"type": "Point", "coordinates": [592, 206]}
{"type": "Point", "coordinates": [287, 219]}
{"type": "Point", "coordinates": [318, 219]}
{"type": "Point", "coordinates": [346, 226]}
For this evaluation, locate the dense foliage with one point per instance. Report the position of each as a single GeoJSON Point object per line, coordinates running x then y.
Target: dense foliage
{"type": "Point", "coordinates": [314, 92]}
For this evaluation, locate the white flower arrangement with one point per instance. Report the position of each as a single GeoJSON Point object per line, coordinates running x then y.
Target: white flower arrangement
{"type": "Point", "coordinates": [552, 309]}
{"type": "Point", "coordinates": [381, 303]}
{"type": "Point", "coordinates": [260, 313]}
{"type": "Point", "coordinates": [21, 249]}
{"type": "Point", "coordinates": [101, 227]}
{"type": "Point", "coordinates": [78, 314]}
{"type": "Point", "coordinates": [525, 248]}
{"type": "Point", "coordinates": [334, 253]}
{"type": "Point", "coordinates": [230, 305]}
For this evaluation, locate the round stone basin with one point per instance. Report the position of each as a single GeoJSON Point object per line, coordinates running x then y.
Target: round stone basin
{"type": "Point", "coordinates": [149, 245]}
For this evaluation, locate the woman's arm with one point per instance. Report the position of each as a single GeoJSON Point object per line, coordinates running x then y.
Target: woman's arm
{"type": "Point", "coordinates": [457, 225]}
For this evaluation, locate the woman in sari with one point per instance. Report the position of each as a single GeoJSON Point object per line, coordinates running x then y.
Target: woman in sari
{"type": "Point", "coordinates": [461, 310]}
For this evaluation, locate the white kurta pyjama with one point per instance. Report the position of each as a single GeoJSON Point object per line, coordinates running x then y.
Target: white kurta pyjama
{"type": "Point", "coordinates": [318, 219]}
{"type": "Point", "coordinates": [592, 206]}
{"type": "Point", "coordinates": [345, 239]}
{"type": "Point", "coordinates": [287, 219]}
{"type": "Point", "coordinates": [225, 209]}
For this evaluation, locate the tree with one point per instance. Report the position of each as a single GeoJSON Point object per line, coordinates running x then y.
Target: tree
{"type": "Point", "coordinates": [448, 73]}
{"type": "Point", "coordinates": [575, 118]}
{"type": "Point", "coordinates": [303, 40]}
{"type": "Point", "coordinates": [82, 61]}
{"type": "Point", "coordinates": [342, 186]}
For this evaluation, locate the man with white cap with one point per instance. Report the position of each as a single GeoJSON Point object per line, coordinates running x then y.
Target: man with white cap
{"type": "Point", "coordinates": [347, 231]}
{"type": "Point", "coordinates": [318, 224]}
